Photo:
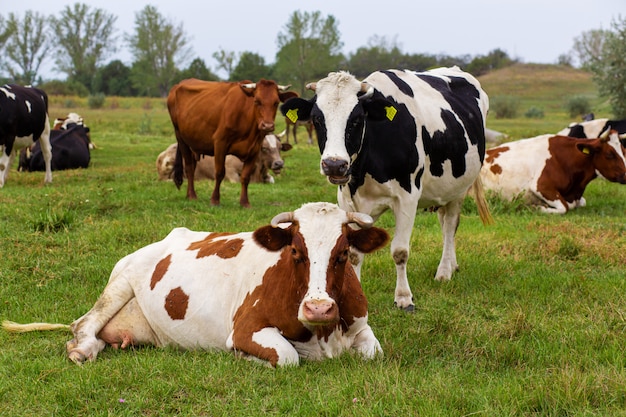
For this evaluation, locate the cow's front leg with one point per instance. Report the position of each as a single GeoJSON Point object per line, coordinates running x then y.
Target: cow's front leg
{"type": "Point", "coordinates": [267, 344]}
{"type": "Point", "coordinates": [365, 343]}
{"type": "Point", "coordinates": [46, 151]}
{"type": "Point", "coordinates": [449, 216]}
{"type": "Point", "coordinates": [246, 172]}
{"type": "Point", "coordinates": [86, 345]}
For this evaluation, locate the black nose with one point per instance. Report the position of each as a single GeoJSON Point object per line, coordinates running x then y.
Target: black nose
{"type": "Point", "coordinates": [335, 167]}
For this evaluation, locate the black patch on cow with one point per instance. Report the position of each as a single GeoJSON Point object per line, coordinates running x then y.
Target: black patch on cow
{"type": "Point", "coordinates": [577, 131]}
{"type": "Point", "coordinates": [70, 150]}
{"type": "Point", "coordinates": [463, 98]}
{"type": "Point", "coordinates": [388, 151]}
{"type": "Point", "coordinates": [400, 83]}
{"type": "Point", "coordinates": [446, 145]}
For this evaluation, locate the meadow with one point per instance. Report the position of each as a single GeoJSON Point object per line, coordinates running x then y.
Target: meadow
{"type": "Point", "coordinates": [533, 324]}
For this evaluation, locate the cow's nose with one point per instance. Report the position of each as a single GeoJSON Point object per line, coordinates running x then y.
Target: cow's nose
{"type": "Point", "coordinates": [278, 164]}
{"type": "Point", "coordinates": [266, 126]}
{"type": "Point", "coordinates": [320, 311]}
{"type": "Point", "coordinates": [334, 167]}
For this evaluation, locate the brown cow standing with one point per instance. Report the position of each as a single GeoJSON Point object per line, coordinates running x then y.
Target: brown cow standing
{"type": "Point", "coordinates": [218, 119]}
{"type": "Point", "coordinates": [293, 127]}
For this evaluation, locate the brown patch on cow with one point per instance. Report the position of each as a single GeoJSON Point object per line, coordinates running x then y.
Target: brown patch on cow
{"type": "Point", "coordinates": [176, 303]}
{"type": "Point", "coordinates": [493, 153]}
{"type": "Point", "coordinates": [159, 270]}
{"type": "Point", "coordinates": [496, 169]}
{"type": "Point", "coordinates": [225, 249]}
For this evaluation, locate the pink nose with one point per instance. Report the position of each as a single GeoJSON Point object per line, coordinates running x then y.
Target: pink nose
{"type": "Point", "coordinates": [266, 126]}
{"type": "Point", "coordinates": [320, 311]}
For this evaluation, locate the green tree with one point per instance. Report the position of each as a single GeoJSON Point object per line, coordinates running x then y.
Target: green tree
{"type": "Point", "coordinates": [609, 71]}
{"type": "Point", "coordinates": [114, 80]}
{"type": "Point", "coordinates": [26, 47]}
{"type": "Point", "coordinates": [158, 46]}
{"type": "Point", "coordinates": [588, 47]}
{"type": "Point", "coordinates": [379, 54]}
{"type": "Point", "coordinates": [252, 67]}
{"type": "Point", "coordinates": [495, 59]}
{"type": "Point", "coordinates": [226, 60]}
{"type": "Point", "coordinates": [85, 38]}
{"type": "Point", "coordinates": [309, 48]}
{"type": "Point", "coordinates": [198, 69]}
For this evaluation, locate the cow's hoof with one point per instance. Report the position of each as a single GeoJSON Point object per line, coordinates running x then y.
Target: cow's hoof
{"type": "Point", "coordinates": [407, 309]}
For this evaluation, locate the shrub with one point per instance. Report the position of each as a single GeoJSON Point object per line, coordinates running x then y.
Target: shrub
{"type": "Point", "coordinates": [577, 106]}
{"type": "Point", "coordinates": [96, 101]}
{"type": "Point", "coordinates": [534, 113]}
{"type": "Point", "coordinates": [504, 107]}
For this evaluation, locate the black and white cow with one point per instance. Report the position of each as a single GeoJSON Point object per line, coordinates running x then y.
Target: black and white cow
{"type": "Point", "coordinates": [71, 146]}
{"type": "Point", "coordinates": [401, 140]}
{"type": "Point", "coordinates": [590, 129]}
{"type": "Point", "coordinates": [23, 121]}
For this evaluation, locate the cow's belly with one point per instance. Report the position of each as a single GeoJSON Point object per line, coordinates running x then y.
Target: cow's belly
{"type": "Point", "coordinates": [193, 304]}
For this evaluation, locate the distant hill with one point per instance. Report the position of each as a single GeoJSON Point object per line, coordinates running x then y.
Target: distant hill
{"type": "Point", "coordinates": [543, 86]}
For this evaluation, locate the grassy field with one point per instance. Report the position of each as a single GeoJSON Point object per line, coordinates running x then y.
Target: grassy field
{"type": "Point", "coordinates": [533, 324]}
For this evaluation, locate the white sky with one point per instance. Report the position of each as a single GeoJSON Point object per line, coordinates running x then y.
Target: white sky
{"type": "Point", "coordinates": [535, 31]}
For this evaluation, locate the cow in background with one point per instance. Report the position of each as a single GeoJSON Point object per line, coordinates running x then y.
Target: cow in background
{"type": "Point", "coordinates": [23, 121]}
{"type": "Point", "coordinates": [281, 293]}
{"type": "Point", "coordinates": [595, 129]}
{"type": "Point", "coordinates": [552, 171]}
{"type": "Point", "coordinates": [293, 127]}
{"type": "Point", "coordinates": [219, 119]}
{"type": "Point", "coordinates": [269, 160]}
{"type": "Point", "coordinates": [401, 140]}
{"type": "Point", "coordinates": [71, 142]}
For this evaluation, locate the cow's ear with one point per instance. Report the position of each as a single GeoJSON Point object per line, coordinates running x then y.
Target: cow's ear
{"type": "Point", "coordinates": [297, 109]}
{"type": "Point", "coordinates": [380, 109]}
{"type": "Point", "coordinates": [273, 238]}
{"type": "Point", "coordinates": [367, 240]}
{"type": "Point", "coordinates": [285, 147]}
{"type": "Point", "coordinates": [287, 95]}
{"type": "Point", "coordinates": [585, 148]}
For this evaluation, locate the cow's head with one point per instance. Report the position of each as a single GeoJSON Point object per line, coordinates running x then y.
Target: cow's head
{"type": "Point", "coordinates": [315, 241]}
{"type": "Point", "coordinates": [607, 156]}
{"type": "Point", "coordinates": [267, 96]}
{"type": "Point", "coordinates": [339, 111]}
{"type": "Point", "coordinates": [270, 153]}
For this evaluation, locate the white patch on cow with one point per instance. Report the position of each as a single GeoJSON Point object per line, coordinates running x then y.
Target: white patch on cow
{"type": "Point", "coordinates": [272, 141]}
{"type": "Point", "coordinates": [592, 128]}
{"type": "Point", "coordinates": [7, 93]}
{"type": "Point", "coordinates": [271, 338]}
{"type": "Point", "coordinates": [320, 234]}
{"type": "Point", "coordinates": [336, 98]}
{"type": "Point", "coordinates": [28, 106]}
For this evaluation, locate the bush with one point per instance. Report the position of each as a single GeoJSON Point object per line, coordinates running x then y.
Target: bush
{"type": "Point", "coordinates": [96, 101]}
{"type": "Point", "coordinates": [577, 106]}
{"type": "Point", "coordinates": [534, 113]}
{"type": "Point", "coordinates": [504, 107]}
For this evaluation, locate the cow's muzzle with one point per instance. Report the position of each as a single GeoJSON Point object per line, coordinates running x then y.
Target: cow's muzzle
{"type": "Point", "coordinates": [266, 126]}
{"type": "Point", "coordinates": [277, 166]}
{"type": "Point", "coordinates": [320, 312]}
{"type": "Point", "coordinates": [337, 170]}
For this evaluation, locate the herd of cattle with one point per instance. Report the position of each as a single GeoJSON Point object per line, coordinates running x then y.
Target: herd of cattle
{"type": "Point", "coordinates": [397, 140]}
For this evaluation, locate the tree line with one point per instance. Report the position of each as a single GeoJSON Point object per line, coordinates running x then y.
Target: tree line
{"type": "Point", "coordinates": [81, 39]}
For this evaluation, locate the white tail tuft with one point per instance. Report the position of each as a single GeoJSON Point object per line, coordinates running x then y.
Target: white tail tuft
{"type": "Point", "coordinates": [11, 326]}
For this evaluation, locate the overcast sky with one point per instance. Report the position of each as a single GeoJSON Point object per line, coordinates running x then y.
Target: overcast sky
{"type": "Point", "coordinates": [535, 31]}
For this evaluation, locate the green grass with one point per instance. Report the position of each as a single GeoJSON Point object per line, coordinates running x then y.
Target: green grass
{"type": "Point", "coordinates": [533, 324]}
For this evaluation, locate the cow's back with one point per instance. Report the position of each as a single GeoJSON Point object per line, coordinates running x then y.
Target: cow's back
{"type": "Point", "coordinates": [182, 309]}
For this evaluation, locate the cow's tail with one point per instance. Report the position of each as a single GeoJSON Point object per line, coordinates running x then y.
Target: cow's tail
{"type": "Point", "coordinates": [11, 326]}
{"type": "Point", "coordinates": [178, 167]}
{"type": "Point", "coordinates": [481, 202]}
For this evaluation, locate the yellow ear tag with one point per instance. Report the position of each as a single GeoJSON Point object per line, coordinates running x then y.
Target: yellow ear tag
{"type": "Point", "coordinates": [391, 112]}
{"type": "Point", "coordinates": [586, 151]}
{"type": "Point", "coordinates": [292, 115]}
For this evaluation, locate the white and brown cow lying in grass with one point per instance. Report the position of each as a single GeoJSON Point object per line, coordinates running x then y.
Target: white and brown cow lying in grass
{"type": "Point", "coordinates": [269, 160]}
{"type": "Point", "coordinates": [278, 294]}
{"type": "Point", "coordinates": [552, 171]}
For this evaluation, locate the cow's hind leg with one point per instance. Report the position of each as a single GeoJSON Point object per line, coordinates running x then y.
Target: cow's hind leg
{"type": "Point", "coordinates": [449, 216]}
{"type": "Point", "coordinates": [86, 345]}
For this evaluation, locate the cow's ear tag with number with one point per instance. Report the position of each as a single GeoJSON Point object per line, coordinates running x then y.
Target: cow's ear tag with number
{"type": "Point", "coordinates": [391, 112]}
{"type": "Point", "coordinates": [292, 114]}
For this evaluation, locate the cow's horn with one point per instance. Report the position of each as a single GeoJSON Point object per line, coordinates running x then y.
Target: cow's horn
{"type": "Point", "coordinates": [284, 87]}
{"type": "Point", "coordinates": [367, 89]}
{"type": "Point", "coordinates": [285, 217]}
{"type": "Point", "coordinates": [606, 133]}
{"type": "Point", "coordinates": [311, 86]}
{"type": "Point", "coordinates": [249, 85]}
{"type": "Point", "coordinates": [362, 219]}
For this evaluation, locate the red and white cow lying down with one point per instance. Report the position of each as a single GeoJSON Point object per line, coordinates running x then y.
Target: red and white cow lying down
{"type": "Point", "coordinates": [269, 159]}
{"type": "Point", "coordinates": [552, 171]}
{"type": "Point", "coordinates": [278, 294]}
